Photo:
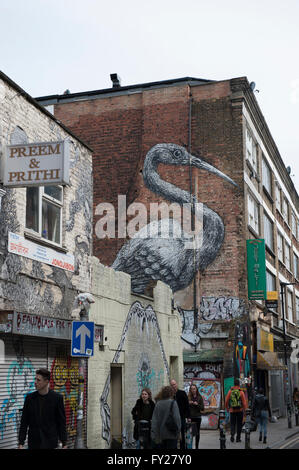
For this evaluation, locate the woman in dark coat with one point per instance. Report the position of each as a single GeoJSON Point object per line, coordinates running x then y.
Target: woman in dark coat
{"type": "Point", "coordinates": [143, 410]}
{"type": "Point", "coordinates": [196, 405]}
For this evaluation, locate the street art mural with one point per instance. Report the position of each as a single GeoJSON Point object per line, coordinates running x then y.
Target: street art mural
{"type": "Point", "coordinates": [141, 320]}
{"type": "Point", "coordinates": [65, 380]}
{"type": "Point", "coordinates": [149, 256]}
{"type": "Point", "coordinates": [210, 390]}
{"type": "Point", "coordinates": [34, 291]}
{"type": "Point", "coordinates": [19, 382]}
{"type": "Point", "coordinates": [242, 352]}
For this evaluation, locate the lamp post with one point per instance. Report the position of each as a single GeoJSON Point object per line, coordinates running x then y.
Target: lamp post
{"type": "Point", "coordinates": [289, 409]}
{"type": "Point", "coordinates": [83, 301]}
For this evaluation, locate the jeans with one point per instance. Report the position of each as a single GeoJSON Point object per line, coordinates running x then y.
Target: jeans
{"type": "Point", "coordinates": [262, 421]}
{"type": "Point", "coordinates": [236, 421]}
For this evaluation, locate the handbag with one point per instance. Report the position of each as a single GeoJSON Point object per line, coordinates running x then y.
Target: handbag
{"type": "Point", "coordinates": [170, 423]}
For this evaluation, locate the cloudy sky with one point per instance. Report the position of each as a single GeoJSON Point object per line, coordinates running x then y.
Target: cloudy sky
{"type": "Point", "coordinates": [48, 46]}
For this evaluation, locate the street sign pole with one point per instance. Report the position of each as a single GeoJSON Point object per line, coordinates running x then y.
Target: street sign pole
{"type": "Point", "coordinates": [79, 442]}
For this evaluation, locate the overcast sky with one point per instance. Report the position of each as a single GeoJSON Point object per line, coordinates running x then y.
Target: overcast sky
{"type": "Point", "coordinates": [48, 46]}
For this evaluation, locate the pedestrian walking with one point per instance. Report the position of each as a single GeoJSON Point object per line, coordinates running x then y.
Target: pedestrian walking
{"type": "Point", "coordinates": [43, 416]}
{"type": "Point", "coordinates": [296, 396]}
{"type": "Point", "coordinates": [181, 398]}
{"type": "Point", "coordinates": [165, 434]}
{"type": "Point", "coordinates": [262, 412]}
{"type": "Point", "coordinates": [235, 403]}
{"type": "Point", "coordinates": [196, 405]}
{"type": "Point", "coordinates": [143, 411]}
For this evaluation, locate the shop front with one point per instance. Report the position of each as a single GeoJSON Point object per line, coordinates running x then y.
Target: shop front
{"type": "Point", "coordinates": [31, 342]}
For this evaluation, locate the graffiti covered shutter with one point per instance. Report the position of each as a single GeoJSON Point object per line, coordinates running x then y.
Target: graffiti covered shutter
{"type": "Point", "coordinates": [64, 380]}
{"type": "Point", "coordinates": [23, 356]}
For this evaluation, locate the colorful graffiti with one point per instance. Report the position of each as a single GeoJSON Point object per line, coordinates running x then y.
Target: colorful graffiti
{"type": "Point", "coordinates": [210, 390]}
{"type": "Point", "coordinates": [19, 382]}
{"type": "Point", "coordinates": [146, 375]}
{"type": "Point", "coordinates": [64, 380]}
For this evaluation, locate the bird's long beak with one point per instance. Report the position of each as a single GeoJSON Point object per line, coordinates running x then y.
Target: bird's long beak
{"type": "Point", "coordinates": [202, 165]}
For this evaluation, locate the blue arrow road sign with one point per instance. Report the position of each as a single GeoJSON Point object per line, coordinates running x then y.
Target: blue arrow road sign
{"type": "Point", "coordinates": [82, 338]}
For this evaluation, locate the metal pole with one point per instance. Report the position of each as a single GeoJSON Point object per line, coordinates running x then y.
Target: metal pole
{"type": "Point", "coordinates": [247, 428]}
{"type": "Point", "coordinates": [222, 437]}
{"type": "Point", "coordinates": [288, 404]}
{"type": "Point", "coordinates": [79, 442]}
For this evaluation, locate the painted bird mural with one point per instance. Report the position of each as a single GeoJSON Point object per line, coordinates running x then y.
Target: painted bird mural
{"type": "Point", "coordinates": [149, 255]}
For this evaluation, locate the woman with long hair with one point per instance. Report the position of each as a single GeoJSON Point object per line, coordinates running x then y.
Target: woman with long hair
{"type": "Point", "coordinates": [196, 405]}
{"type": "Point", "coordinates": [143, 410]}
{"type": "Point", "coordinates": [165, 436]}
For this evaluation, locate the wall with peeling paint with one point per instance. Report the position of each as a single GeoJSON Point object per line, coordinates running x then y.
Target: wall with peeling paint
{"type": "Point", "coordinates": [141, 334]}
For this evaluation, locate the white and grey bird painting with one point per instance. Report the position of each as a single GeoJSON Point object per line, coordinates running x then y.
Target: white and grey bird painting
{"type": "Point", "coordinates": [156, 257]}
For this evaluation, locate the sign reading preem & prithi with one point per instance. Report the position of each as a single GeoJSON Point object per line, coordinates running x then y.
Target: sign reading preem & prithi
{"type": "Point", "coordinates": [42, 164]}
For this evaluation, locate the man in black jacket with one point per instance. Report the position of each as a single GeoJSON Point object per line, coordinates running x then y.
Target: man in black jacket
{"type": "Point", "coordinates": [44, 415]}
{"type": "Point", "coordinates": [182, 400]}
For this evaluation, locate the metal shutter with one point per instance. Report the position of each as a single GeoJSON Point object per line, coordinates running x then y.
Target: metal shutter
{"type": "Point", "coordinates": [23, 356]}
{"type": "Point", "coordinates": [64, 380]}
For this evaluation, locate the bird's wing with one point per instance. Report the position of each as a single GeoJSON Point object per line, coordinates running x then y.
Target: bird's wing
{"type": "Point", "coordinates": [156, 258]}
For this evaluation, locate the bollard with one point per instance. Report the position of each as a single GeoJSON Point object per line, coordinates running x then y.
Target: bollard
{"type": "Point", "coordinates": [222, 429]}
{"type": "Point", "coordinates": [247, 428]}
{"type": "Point", "coordinates": [289, 413]}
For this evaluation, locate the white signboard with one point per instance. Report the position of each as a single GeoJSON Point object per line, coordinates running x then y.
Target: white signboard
{"type": "Point", "coordinates": [20, 246]}
{"type": "Point", "coordinates": [38, 325]}
{"type": "Point", "coordinates": [42, 164]}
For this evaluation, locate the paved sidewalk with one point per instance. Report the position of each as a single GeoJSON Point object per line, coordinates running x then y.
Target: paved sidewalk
{"type": "Point", "coordinates": [277, 433]}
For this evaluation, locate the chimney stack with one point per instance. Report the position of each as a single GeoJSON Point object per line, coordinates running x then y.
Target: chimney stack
{"type": "Point", "coordinates": [115, 80]}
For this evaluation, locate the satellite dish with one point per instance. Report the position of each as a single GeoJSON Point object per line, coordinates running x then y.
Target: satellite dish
{"type": "Point", "coordinates": [252, 86]}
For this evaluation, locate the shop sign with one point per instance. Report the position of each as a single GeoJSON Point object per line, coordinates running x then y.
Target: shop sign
{"type": "Point", "coordinates": [256, 269]}
{"type": "Point", "coordinates": [41, 326]}
{"type": "Point", "coordinates": [265, 340]}
{"type": "Point", "coordinates": [23, 247]}
{"type": "Point", "coordinates": [36, 164]}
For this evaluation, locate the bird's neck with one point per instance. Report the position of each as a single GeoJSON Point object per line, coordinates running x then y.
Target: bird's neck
{"type": "Point", "coordinates": [169, 191]}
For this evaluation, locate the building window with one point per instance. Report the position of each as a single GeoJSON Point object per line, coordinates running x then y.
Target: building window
{"type": "Point", "coordinates": [295, 262]}
{"type": "Point", "coordinates": [280, 247]}
{"type": "Point", "coordinates": [278, 197]}
{"type": "Point", "coordinates": [44, 212]}
{"type": "Point", "coordinates": [251, 149]}
{"type": "Point", "coordinates": [290, 306]}
{"type": "Point", "coordinates": [287, 256]}
{"type": "Point", "coordinates": [253, 214]}
{"type": "Point", "coordinates": [266, 177]}
{"type": "Point", "coordinates": [268, 232]}
{"type": "Point", "coordinates": [270, 281]}
{"type": "Point", "coordinates": [294, 225]}
{"type": "Point", "coordinates": [285, 210]}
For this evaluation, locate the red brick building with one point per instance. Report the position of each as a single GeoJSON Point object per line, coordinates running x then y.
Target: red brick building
{"type": "Point", "coordinates": [221, 123]}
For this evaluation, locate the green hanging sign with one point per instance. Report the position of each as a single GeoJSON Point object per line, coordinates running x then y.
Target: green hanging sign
{"type": "Point", "coordinates": [256, 269]}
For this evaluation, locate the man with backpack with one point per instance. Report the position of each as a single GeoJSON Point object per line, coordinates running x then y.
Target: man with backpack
{"type": "Point", "coordinates": [235, 402]}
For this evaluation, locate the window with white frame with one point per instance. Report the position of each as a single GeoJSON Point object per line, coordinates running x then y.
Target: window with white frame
{"type": "Point", "coordinates": [287, 256]}
{"type": "Point", "coordinates": [44, 212]}
{"type": "Point", "coordinates": [295, 263]}
{"type": "Point", "coordinates": [268, 232]}
{"type": "Point", "coordinates": [278, 197]}
{"type": "Point", "coordinates": [266, 176]}
{"type": "Point", "coordinates": [294, 224]}
{"type": "Point", "coordinates": [280, 247]}
{"type": "Point", "coordinates": [290, 306]}
{"type": "Point", "coordinates": [253, 213]}
{"type": "Point", "coordinates": [251, 149]}
{"type": "Point", "coordinates": [285, 209]}
{"type": "Point", "coordinates": [270, 281]}
{"type": "Point", "coordinates": [297, 310]}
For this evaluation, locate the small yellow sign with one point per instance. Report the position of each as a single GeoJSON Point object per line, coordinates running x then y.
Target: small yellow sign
{"type": "Point", "coordinates": [272, 295]}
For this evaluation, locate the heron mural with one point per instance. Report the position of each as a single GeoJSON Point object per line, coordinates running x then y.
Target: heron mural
{"type": "Point", "coordinates": [150, 256]}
